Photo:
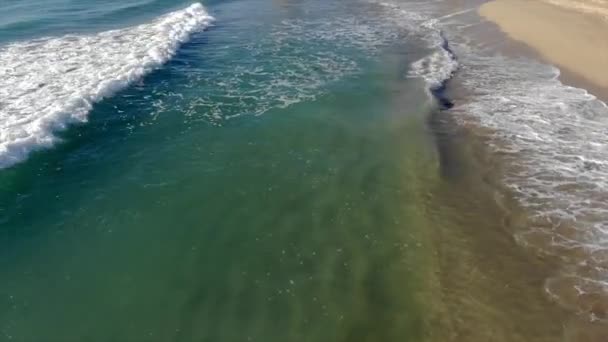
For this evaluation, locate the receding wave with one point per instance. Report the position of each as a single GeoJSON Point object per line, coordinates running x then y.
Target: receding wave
{"type": "Point", "coordinates": [49, 83]}
{"type": "Point", "coordinates": [437, 67]}
{"type": "Point", "coordinates": [553, 139]}
{"type": "Point", "coordinates": [440, 65]}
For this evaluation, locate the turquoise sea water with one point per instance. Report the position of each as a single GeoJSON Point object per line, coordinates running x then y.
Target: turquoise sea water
{"type": "Point", "coordinates": [255, 170]}
{"type": "Point", "coordinates": [260, 185]}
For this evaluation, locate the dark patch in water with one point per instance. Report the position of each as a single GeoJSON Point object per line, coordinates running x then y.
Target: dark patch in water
{"type": "Point", "coordinates": [440, 92]}
{"type": "Point", "coordinates": [443, 127]}
{"type": "Point", "coordinates": [446, 134]}
{"type": "Point", "coordinates": [443, 101]}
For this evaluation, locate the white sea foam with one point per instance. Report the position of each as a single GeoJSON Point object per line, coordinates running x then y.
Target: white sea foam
{"type": "Point", "coordinates": [435, 68]}
{"type": "Point", "coordinates": [48, 83]}
{"type": "Point", "coordinates": [291, 61]}
{"type": "Point", "coordinates": [553, 139]}
{"type": "Point", "coordinates": [441, 64]}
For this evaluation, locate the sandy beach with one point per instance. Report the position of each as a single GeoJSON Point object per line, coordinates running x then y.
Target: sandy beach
{"type": "Point", "coordinates": [569, 34]}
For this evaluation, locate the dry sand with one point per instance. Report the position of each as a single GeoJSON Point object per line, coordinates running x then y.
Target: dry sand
{"type": "Point", "coordinates": [572, 34]}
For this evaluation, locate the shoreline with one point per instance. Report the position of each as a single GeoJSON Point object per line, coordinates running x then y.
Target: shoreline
{"type": "Point", "coordinates": [547, 291]}
{"type": "Point", "coordinates": [574, 41]}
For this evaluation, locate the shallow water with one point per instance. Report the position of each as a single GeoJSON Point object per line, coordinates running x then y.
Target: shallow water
{"type": "Point", "coordinates": [279, 172]}
{"type": "Point", "coordinates": [260, 186]}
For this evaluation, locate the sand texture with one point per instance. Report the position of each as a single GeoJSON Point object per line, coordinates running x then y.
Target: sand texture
{"type": "Point", "coordinates": [570, 34]}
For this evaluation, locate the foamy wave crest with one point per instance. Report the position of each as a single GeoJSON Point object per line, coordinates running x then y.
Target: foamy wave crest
{"type": "Point", "coordinates": [441, 64]}
{"type": "Point", "coordinates": [48, 83]}
{"type": "Point", "coordinates": [551, 140]}
{"type": "Point", "coordinates": [554, 139]}
{"type": "Point", "coordinates": [435, 68]}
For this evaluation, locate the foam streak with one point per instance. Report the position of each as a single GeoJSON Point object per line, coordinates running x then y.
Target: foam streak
{"type": "Point", "coordinates": [47, 84]}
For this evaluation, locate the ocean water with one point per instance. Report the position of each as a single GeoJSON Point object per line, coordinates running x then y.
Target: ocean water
{"type": "Point", "coordinates": [280, 170]}
{"type": "Point", "coordinates": [216, 172]}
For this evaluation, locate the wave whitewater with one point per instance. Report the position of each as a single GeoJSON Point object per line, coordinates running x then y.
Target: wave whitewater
{"type": "Point", "coordinates": [47, 84]}
{"type": "Point", "coordinates": [552, 139]}
{"type": "Point", "coordinates": [441, 64]}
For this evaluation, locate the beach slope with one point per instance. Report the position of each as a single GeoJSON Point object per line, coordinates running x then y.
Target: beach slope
{"type": "Point", "coordinates": [566, 33]}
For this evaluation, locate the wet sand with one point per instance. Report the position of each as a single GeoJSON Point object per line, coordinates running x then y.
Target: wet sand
{"type": "Point", "coordinates": [569, 34]}
{"type": "Point", "coordinates": [490, 287]}
{"type": "Point", "coordinates": [493, 287]}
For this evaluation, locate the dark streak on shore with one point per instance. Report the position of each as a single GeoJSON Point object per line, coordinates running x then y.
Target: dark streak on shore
{"type": "Point", "coordinates": [443, 127]}
{"type": "Point", "coordinates": [439, 92]}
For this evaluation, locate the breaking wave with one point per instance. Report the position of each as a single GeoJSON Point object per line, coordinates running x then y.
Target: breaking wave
{"type": "Point", "coordinates": [47, 84]}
